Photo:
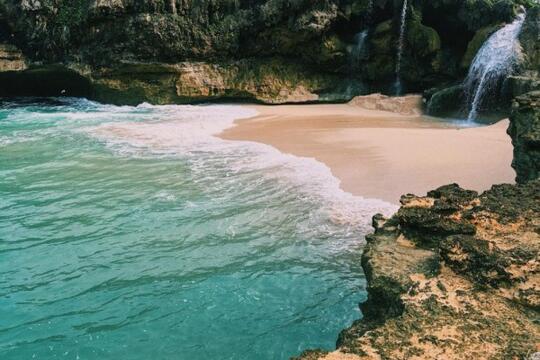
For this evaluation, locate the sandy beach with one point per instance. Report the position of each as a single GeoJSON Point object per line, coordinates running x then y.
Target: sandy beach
{"type": "Point", "coordinates": [381, 154]}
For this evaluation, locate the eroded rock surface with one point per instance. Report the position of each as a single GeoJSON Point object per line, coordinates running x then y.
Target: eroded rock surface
{"type": "Point", "coordinates": [452, 275]}
{"type": "Point", "coordinates": [404, 105]}
{"type": "Point", "coordinates": [274, 51]}
{"type": "Point", "coordinates": [270, 81]}
{"type": "Point", "coordinates": [525, 132]}
{"type": "Point", "coordinates": [11, 58]}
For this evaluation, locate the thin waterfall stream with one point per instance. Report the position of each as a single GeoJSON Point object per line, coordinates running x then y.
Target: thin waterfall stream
{"type": "Point", "coordinates": [401, 43]}
{"type": "Point", "coordinates": [358, 51]}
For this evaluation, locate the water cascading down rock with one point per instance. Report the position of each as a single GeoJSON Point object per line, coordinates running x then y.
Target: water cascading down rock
{"type": "Point", "coordinates": [358, 51]}
{"type": "Point", "coordinates": [401, 43]}
{"type": "Point", "coordinates": [494, 62]}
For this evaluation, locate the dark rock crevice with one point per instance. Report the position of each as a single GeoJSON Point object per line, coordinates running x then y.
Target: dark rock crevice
{"type": "Point", "coordinates": [44, 81]}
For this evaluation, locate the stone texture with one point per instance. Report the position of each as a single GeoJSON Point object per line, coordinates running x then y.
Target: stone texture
{"type": "Point", "coordinates": [244, 43]}
{"type": "Point", "coordinates": [530, 39]}
{"type": "Point", "coordinates": [526, 82]}
{"type": "Point", "coordinates": [270, 81]}
{"type": "Point", "coordinates": [11, 58]}
{"type": "Point", "coordinates": [404, 105]}
{"type": "Point", "coordinates": [525, 132]}
{"type": "Point", "coordinates": [452, 275]}
{"type": "Point", "coordinates": [446, 102]}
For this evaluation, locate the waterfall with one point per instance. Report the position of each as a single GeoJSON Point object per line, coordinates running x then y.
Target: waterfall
{"type": "Point", "coordinates": [496, 59]}
{"type": "Point", "coordinates": [401, 43]}
{"type": "Point", "coordinates": [358, 51]}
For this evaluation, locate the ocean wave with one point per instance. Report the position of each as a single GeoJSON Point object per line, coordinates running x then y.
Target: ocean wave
{"type": "Point", "coordinates": [190, 132]}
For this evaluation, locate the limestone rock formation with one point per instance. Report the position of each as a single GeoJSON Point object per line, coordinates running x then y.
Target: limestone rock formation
{"type": "Point", "coordinates": [273, 51]}
{"type": "Point", "coordinates": [11, 58]}
{"type": "Point", "coordinates": [452, 275]}
{"type": "Point", "coordinates": [455, 274]}
{"type": "Point", "coordinates": [269, 81]}
{"type": "Point", "coordinates": [404, 105]}
{"type": "Point", "coordinates": [525, 132]}
{"type": "Point", "coordinates": [530, 39]}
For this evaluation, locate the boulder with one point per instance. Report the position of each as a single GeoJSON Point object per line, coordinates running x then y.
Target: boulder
{"type": "Point", "coordinates": [446, 102]}
{"type": "Point", "coordinates": [403, 105]}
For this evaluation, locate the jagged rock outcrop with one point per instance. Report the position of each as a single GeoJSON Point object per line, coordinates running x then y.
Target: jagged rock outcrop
{"type": "Point", "coordinates": [529, 78]}
{"type": "Point", "coordinates": [525, 133]}
{"type": "Point", "coordinates": [267, 50]}
{"type": "Point", "coordinates": [11, 58]}
{"type": "Point", "coordinates": [270, 81]}
{"type": "Point", "coordinates": [452, 275]}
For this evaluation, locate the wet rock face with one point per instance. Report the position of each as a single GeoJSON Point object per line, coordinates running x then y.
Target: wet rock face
{"type": "Point", "coordinates": [452, 275]}
{"type": "Point", "coordinates": [446, 102]}
{"type": "Point", "coordinates": [525, 132]}
{"type": "Point", "coordinates": [449, 100]}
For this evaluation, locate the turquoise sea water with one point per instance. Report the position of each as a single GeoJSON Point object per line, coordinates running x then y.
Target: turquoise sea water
{"type": "Point", "coordinates": [133, 233]}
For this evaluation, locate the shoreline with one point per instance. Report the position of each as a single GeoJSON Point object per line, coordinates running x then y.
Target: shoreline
{"type": "Point", "coordinates": [381, 154]}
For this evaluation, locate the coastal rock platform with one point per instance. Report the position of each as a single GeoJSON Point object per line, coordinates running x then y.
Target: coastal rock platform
{"type": "Point", "coordinates": [451, 275]}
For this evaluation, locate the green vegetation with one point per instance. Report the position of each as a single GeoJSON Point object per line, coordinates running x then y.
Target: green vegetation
{"type": "Point", "coordinates": [72, 13]}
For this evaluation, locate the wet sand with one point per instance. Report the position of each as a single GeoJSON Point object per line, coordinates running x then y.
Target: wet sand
{"type": "Point", "coordinates": [379, 154]}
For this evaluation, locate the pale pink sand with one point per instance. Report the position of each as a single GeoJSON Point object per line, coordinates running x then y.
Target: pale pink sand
{"type": "Point", "coordinates": [380, 154]}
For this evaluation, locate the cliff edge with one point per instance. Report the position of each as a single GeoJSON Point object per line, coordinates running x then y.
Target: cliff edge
{"type": "Point", "coordinates": [452, 275]}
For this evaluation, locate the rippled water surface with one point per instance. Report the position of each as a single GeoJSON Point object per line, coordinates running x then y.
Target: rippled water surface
{"type": "Point", "coordinates": [133, 233]}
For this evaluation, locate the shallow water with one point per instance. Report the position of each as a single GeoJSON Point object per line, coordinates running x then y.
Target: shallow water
{"type": "Point", "coordinates": [132, 233]}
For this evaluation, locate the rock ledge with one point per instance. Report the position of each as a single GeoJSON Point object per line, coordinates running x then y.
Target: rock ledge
{"type": "Point", "coordinates": [452, 275]}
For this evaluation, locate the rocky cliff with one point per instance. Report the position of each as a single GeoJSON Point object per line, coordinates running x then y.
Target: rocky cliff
{"type": "Point", "coordinates": [452, 275]}
{"type": "Point", "coordinates": [525, 132]}
{"type": "Point", "coordinates": [274, 51]}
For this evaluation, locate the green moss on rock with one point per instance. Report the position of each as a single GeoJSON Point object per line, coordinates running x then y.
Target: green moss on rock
{"type": "Point", "coordinates": [446, 102]}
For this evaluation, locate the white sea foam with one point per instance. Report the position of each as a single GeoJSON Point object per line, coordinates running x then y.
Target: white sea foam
{"type": "Point", "coordinates": [189, 132]}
